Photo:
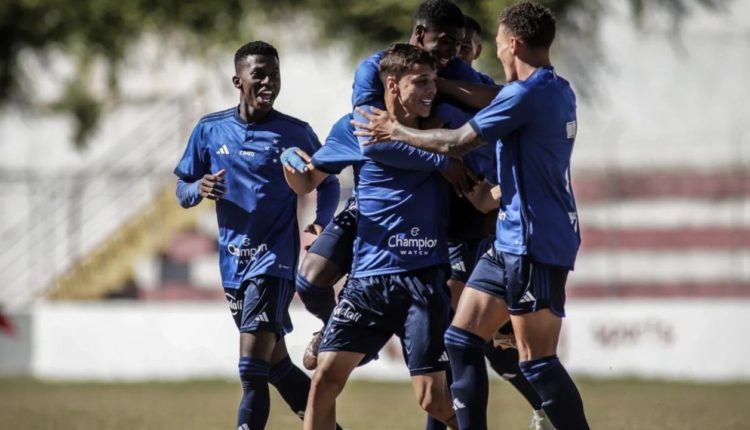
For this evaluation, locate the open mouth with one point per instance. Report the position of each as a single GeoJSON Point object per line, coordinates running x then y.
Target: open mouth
{"type": "Point", "coordinates": [265, 96]}
{"type": "Point", "coordinates": [426, 102]}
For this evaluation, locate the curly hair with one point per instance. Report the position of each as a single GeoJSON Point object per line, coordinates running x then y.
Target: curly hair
{"type": "Point", "coordinates": [531, 22]}
{"type": "Point", "coordinates": [399, 59]}
{"type": "Point", "coordinates": [257, 47]}
{"type": "Point", "coordinates": [439, 13]}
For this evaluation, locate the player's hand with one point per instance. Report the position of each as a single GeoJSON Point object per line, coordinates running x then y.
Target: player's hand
{"type": "Point", "coordinates": [294, 160]}
{"type": "Point", "coordinates": [380, 127]}
{"type": "Point", "coordinates": [213, 186]}
{"type": "Point", "coordinates": [459, 176]}
{"type": "Point", "coordinates": [315, 229]}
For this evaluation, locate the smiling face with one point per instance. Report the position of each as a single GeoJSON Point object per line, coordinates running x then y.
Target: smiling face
{"type": "Point", "coordinates": [414, 91]}
{"type": "Point", "coordinates": [443, 43]}
{"type": "Point", "coordinates": [259, 80]}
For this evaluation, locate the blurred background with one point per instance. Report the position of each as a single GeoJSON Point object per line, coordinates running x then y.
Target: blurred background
{"type": "Point", "coordinates": [103, 277]}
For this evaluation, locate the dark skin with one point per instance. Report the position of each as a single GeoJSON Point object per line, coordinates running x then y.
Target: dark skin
{"type": "Point", "coordinates": [258, 79]}
{"type": "Point", "coordinates": [441, 42]}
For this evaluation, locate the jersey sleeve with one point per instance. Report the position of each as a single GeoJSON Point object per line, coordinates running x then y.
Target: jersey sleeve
{"type": "Point", "coordinates": [367, 86]}
{"type": "Point", "coordinates": [506, 113]}
{"type": "Point", "coordinates": [328, 191]}
{"type": "Point", "coordinates": [341, 149]}
{"type": "Point", "coordinates": [195, 161]}
{"type": "Point", "coordinates": [398, 154]}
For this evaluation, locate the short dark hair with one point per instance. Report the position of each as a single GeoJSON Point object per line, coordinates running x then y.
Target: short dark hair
{"type": "Point", "coordinates": [257, 47]}
{"type": "Point", "coordinates": [439, 13]}
{"type": "Point", "coordinates": [400, 57]}
{"type": "Point", "coordinates": [533, 23]}
{"type": "Point", "coordinates": [472, 25]}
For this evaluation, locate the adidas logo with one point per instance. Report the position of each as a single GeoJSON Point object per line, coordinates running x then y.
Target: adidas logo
{"type": "Point", "coordinates": [262, 317]}
{"type": "Point", "coordinates": [527, 297]}
{"type": "Point", "coordinates": [243, 427]}
{"type": "Point", "coordinates": [443, 358]}
{"type": "Point", "coordinates": [459, 266]}
{"type": "Point", "coordinates": [223, 150]}
{"type": "Point", "coordinates": [457, 405]}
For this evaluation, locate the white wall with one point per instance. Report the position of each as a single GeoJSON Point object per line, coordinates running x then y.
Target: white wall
{"type": "Point", "coordinates": [666, 339]}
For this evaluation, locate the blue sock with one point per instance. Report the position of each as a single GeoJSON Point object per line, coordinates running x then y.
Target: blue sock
{"type": "Point", "coordinates": [292, 384]}
{"type": "Point", "coordinates": [505, 363]}
{"type": "Point", "coordinates": [256, 402]}
{"type": "Point", "coordinates": [319, 301]}
{"type": "Point", "coordinates": [470, 387]}
{"type": "Point", "coordinates": [562, 402]}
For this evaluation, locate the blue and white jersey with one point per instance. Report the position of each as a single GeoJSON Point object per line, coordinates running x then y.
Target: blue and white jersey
{"type": "Point", "coordinates": [257, 216]}
{"type": "Point", "coordinates": [534, 125]}
{"type": "Point", "coordinates": [340, 151]}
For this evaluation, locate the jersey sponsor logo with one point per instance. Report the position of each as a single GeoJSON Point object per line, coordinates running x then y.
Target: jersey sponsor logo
{"type": "Point", "coordinates": [235, 306]}
{"type": "Point", "coordinates": [457, 404]}
{"type": "Point", "coordinates": [247, 153]}
{"type": "Point", "coordinates": [245, 252]}
{"type": "Point", "coordinates": [527, 298]}
{"type": "Point", "coordinates": [413, 244]}
{"type": "Point", "coordinates": [223, 150]}
{"type": "Point", "coordinates": [263, 317]}
{"type": "Point", "coordinates": [344, 312]}
{"type": "Point", "coordinates": [571, 129]}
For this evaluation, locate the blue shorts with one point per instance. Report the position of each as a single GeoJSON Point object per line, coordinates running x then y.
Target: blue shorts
{"type": "Point", "coordinates": [525, 285]}
{"type": "Point", "coordinates": [465, 254]}
{"type": "Point", "coordinates": [336, 242]}
{"type": "Point", "coordinates": [412, 305]}
{"type": "Point", "coordinates": [262, 304]}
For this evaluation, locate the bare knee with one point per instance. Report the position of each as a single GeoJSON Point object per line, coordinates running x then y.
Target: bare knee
{"type": "Point", "coordinates": [326, 379]}
{"type": "Point", "coordinates": [319, 271]}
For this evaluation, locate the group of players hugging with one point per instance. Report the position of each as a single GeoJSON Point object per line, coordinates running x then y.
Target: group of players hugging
{"type": "Point", "coordinates": [458, 239]}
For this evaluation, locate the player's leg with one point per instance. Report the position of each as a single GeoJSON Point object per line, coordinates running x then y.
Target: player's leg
{"type": "Point", "coordinates": [536, 299]}
{"type": "Point", "coordinates": [265, 316]}
{"type": "Point", "coordinates": [328, 381]}
{"type": "Point", "coordinates": [481, 311]}
{"type": "Point", "coordinates": [425, 321]}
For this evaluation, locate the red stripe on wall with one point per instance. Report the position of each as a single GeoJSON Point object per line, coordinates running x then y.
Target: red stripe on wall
{"type": "Point", "coordinates": [660, 239]}
{"type": "Point", "coordinates": [664, 290]}
{"type": "Point", "coordinates": [602, 186]}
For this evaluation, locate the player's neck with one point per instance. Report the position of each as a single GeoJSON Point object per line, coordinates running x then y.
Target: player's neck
{"type": "Point", "coordinates": [402, 116]}
{"type": "Point", "coordinates": [527, 66]}
{"type": "Point", "coordinates": [250, 113]}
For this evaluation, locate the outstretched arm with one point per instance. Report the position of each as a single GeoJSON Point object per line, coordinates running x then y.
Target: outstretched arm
{"type": "Point", "coordinates": [383, 127]}
{"type": "Point", "coordinates": [305, 180]}
{"type": "Point", "coordinates": [469, 94]}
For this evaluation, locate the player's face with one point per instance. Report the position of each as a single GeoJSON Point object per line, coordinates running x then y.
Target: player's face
{"type": "Point", "coordinates": [259, 81]}
{"type": "Point", "coordinates": [443, 43]}
{"type": "Point", "coordinates": [417, 90]}
{"type": "Point", "coordinates": [505, 47]}
{"type": "Point", "coordinates": [468, 50]}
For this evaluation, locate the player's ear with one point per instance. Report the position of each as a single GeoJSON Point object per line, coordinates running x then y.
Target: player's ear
{"type": "Point", "coordinates": [391, 85]}
{"type": "Point", "coordinates": [515, 44]}
{"type": "Point", "coordinates": [419, 31]}
{"type": "Point", "coordinates": [479, 51]}
{"type": "Point", "coordinates": [236, 82]}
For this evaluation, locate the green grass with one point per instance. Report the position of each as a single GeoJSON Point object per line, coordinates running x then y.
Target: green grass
{"type": "Point", "coordinates": [205, 405]}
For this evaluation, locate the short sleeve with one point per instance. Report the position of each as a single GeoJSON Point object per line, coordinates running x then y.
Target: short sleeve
{"type": "Point", "coordinates": [506, 113]}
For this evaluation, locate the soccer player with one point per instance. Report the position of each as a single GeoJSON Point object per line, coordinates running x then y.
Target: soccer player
{"type": "Point", "coordinates": [533, 121]}
{"type": "Point", "coordinates": [471, 46]}
{"type": "Point", "coordinates": [397, 285]}
{"type": "Point", "coordinates": [232, 157]}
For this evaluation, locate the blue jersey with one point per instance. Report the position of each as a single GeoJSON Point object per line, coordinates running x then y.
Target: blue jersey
{"type": "Point", "coordinates": [534, 125]}
{"type": "Point", "coordinates": [368, 87]}
{"type": "Point", "coordinates": [340, 151]}
{"type": "Point", "coordinates": [257, 216]}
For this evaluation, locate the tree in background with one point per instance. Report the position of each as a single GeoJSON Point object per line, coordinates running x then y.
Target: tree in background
{"type": "Point", "coordinates": [104, 30]}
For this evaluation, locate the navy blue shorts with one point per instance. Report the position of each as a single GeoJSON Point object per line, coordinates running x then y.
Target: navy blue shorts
{"type": "Point", "coordinates": [525, 285]}
{"type": "Point", "coordinates": [465, 254]}
{"type": "Point", "coordinates": [412, 305]}
{"type": "Point", "coordinates": [262, 304]}
{"type": "Point", "coordinates": [336, 242]}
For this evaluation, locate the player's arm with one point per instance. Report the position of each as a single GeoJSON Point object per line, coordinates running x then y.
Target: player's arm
{"type": "Point", "coordinates": [383, 127]}
{"type": "Point", "coordinates": [299, 171]}
{"type": "Point", "coordinates": [195, 180]}
{"type": "Point", "coordinates": [485, 197]}
{"type": "Point", "coordinates": [328, 188]}
{"type": "Point", "coordinates": [210, 186]}
{"type": "Point", "coordinates": [470, 94]}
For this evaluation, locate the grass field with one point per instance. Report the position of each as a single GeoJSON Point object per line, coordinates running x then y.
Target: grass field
{"type": "Point", "coordinates": [206, 405]}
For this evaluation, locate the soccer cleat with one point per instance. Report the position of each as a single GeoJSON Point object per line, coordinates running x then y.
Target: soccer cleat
{"type": "Point", "coordinates": [539, 421]}
{"type": "Point", "coordinates": [310, 359]}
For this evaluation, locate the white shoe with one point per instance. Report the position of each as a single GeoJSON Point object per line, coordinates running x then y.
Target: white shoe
{"type": "Point", "coordinates": [539, 421]}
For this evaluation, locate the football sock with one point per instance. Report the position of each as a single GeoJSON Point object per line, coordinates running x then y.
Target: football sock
{"type": "Point", "coordinates": [319, 301]}
{"type": "Point", "coordinates": [505, 363]}
{"type": "Point", "coordinates": [561, 401]}
{"type": "Point", "coordinates": [470, 387]}
{"type": "Point", "coordinates": [255, 403]}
